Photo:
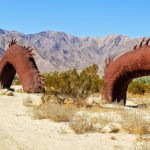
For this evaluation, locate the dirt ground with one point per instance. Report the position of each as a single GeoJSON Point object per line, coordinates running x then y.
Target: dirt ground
{"type": "Point", "coordinates": [19, 131]}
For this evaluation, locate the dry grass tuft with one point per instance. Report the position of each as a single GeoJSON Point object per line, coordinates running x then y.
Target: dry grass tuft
{"type": "Point", "coordinates": [55, 112]}
{"type": "Point", "coordinates": [80, 125]}
{"type": "Point", "coordinates": [83, 124]}
{"type": "Point", "coordinates": [131, 121]}
{"type": "Point", "coordinates": [134, 123]}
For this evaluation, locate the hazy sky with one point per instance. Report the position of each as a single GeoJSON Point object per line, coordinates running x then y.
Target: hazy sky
{"type": "Point", "coordinates": [78, 17]}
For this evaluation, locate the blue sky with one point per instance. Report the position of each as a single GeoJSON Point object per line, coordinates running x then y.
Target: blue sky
{"type": "Point", "coordinates": [79, 17]}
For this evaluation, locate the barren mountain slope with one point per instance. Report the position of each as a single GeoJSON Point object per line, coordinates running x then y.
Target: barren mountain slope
{"type": "Point", "coordinates": [57, 51]}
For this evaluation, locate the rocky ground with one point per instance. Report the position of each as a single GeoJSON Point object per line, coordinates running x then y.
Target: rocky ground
{"type": "Point", "coordinates": [19, 131]}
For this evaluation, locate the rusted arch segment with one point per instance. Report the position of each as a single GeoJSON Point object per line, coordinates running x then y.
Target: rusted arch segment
{"type": "Point", "coordinates": [120, 72]}
{"type": "Point", "coordinates": [18, 59]}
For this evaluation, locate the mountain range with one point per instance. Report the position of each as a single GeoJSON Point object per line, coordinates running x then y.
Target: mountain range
{"type": "Point", "coordinates": [59, 51]}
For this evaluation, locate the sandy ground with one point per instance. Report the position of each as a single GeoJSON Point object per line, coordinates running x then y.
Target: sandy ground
{"type": "Point", "coordinates": [19, 131]}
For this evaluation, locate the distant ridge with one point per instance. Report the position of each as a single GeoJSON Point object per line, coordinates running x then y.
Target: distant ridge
{"type": "Point", "coordinates": [58, 51]}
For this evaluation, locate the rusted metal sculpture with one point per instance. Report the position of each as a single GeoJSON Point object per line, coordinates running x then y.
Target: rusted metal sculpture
{"type": "Point", "coordinates": [120, 72]}
{"type": "Point", "coordinates": [19, 59]}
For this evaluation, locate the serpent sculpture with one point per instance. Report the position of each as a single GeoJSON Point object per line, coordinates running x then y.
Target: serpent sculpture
{"type": "Point", "coordinates": [120, 71]}
{"type": "Point", "coordinates": [19, 59]}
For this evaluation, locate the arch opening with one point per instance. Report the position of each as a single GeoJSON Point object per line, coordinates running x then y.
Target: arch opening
{"type": "Point", "coordinates": [119, 92]}
{"type": "Point", "coordinates": [7, 75]}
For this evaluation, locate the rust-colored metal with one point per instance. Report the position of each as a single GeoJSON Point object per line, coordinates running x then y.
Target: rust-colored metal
{"type": "Point", "coordinates": [19, 59]}
{"type": "Point", "coordinates": [120, 71]}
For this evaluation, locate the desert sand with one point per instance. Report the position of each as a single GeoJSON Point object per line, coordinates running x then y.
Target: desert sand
{"type": "Point", "coordinates": [19, 131]}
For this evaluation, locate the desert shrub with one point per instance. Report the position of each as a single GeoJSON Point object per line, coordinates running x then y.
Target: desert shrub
{"type": "Point", "coordinates": [136, 87]}
{"type": "Point", "coordinates": [134, 123]}
{"type": "Point", "coordinates": [62, 84]}
{"type": "Point", "coordinates": [140, 85]}
{"type": "Point", "coordinates": [73, 84]}
{"type": "Point", "coordinates": [55, 112]}
{"type": "Point", "coordinates": [145, 80]}
{"type": "Point", "coordinates": [84, 123]}
{"type": "Point", "coordinates": [90, 81]}
{"type": "Point", "coordinates": [80, 125]}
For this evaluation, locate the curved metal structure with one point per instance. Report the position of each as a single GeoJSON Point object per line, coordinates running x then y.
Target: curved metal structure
{"type": "Point", "coordinates": [19, 59]}
{"type": "Point", "coordinates": [120, 72]}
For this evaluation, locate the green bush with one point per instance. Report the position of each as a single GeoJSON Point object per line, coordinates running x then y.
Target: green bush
{"type": "Point", "coordinates": [137, 87]}
{"type": "Point", "coordinates": [90, 81]}
{"type": "Point", "coordinates": [74, 84]}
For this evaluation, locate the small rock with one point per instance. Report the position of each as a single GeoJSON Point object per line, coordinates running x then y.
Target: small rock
{"type": "Point", "coordinates": [36, 98]}
{"type": "Point", "coordinates": [111, 128]}
{"type": "Point", "coordinates": [94, 99]}
{"type": "Point", "coordinates": [9, 93]}
{"type": "Point", "coordinates": [97, 127]}
{"type": "Point", "coordinates": [64, 129]}
{"type": "Point", "coordinates": [3, 91]}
